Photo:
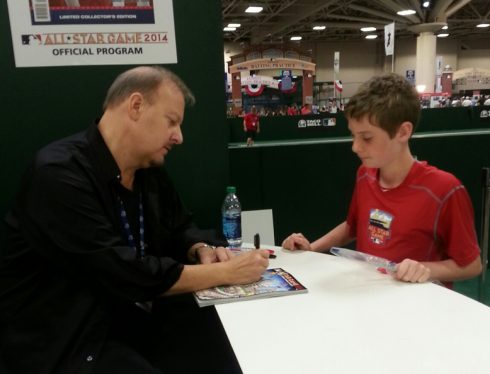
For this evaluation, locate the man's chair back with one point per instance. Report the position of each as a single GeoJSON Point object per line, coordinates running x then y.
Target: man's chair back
{"type": "Point", "coordinates": [258, 221]}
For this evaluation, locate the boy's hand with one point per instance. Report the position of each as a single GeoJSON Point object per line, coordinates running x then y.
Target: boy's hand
{"type": "Point", "coordinates": [296, 241]}
{"type": "Point", "coordinates": [412, 271]}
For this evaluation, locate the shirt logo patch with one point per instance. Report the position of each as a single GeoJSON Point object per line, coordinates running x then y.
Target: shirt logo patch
{"type": "Point", "coordinates": [379, 227]}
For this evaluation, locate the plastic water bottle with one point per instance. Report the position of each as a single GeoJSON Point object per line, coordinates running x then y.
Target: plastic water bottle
{"type": "Point", "coordinates": [232, 218]}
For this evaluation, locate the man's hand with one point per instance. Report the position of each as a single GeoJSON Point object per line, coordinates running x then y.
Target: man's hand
{"type": "Point", "coordinates": [412, 271]}
{"type": "Point", "coordinates": [247, 267]}
{"type": "Point", "coordinates": [208, 255]}
{"type": "Point", "coordinates": [296, 241]}
{"type": "Point", "coordinates": [235, 269]}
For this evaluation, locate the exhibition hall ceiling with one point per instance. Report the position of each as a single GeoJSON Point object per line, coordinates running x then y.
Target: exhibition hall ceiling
{"type": "Point", "coordinates": [343, 19]}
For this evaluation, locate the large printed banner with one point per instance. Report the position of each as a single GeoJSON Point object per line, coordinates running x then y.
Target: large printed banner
{"type": "Point", "coordinates": [92, 32]}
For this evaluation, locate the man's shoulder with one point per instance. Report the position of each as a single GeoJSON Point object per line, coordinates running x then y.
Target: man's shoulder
{"type": "Point", "coordinates": [62, 151]}
{"type": "Point", "coordinates": [64, 158]}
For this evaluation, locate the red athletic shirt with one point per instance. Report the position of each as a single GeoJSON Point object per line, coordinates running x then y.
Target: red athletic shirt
{"type": "Point", "coordinates": [251, 120]}
{"type": "Point", "coordinates": [429, 217]}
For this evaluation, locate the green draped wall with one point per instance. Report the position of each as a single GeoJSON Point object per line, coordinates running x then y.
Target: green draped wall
{"type": "Point", "coordinates": [39, 105]}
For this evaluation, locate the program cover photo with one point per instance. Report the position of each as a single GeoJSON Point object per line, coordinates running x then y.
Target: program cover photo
{"type": "Point", "coordinates": [274, 282]}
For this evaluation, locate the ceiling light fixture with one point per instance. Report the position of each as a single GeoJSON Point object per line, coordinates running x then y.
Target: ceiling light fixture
{"type": "Point", "coordinates": [368, 29]}
{"type": "Point", "coordinates": [426, 4]}
{"type": "Point", "coordinates": [319, 27]}
{"type": "Point", "coordinates": [445, 27]}
{"type": "Point", "coordinates": [295, 38]}
{"type": "Point", "coordinates": [443, 35]}
{"type": "Point", "coordinates": [371, 36]}
{"type": "Point", "coordinates": [229, 29]}
{"type": "Point", "coordinates": [407, 12]}
{"type": "Point", "coordinates": [234, 25]}
{"type": "Point", "coordinates": [254, 9]}
{"type": "Point", "coordinates": [483, 25]}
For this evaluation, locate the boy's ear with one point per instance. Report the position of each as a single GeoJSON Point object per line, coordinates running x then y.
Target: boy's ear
{"type": "Point", "coordinates": [405, 131]}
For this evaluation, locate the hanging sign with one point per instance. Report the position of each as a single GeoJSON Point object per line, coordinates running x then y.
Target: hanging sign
{"type": "Point", "coordinates": [336, 62]}
{"type": "Point", "coordinates": [389, 39]}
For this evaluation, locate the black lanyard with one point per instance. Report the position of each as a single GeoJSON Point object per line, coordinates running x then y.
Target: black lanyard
{"type": "Point", "coordinates": [127, 228]}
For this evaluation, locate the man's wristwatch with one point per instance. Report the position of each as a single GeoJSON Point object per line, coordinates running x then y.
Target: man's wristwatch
{"type": "Point", "coordinates": [204, 246]}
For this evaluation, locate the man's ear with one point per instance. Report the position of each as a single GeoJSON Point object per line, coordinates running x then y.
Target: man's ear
{"type": "Point", "coordinates": [135, 105]}
{"type": "Point", "coordinates": [405, 131]}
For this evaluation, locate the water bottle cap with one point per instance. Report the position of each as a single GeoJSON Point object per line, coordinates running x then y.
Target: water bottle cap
{"type": "Point", "coordinates": [231, 189]}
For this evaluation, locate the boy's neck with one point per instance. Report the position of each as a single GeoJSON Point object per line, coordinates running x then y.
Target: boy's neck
{"type": "Point", "coordinates": [393, 175]}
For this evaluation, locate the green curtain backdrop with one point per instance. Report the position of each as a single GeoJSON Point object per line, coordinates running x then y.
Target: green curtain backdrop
{"type": "Point", "coordinates": [40, 105]}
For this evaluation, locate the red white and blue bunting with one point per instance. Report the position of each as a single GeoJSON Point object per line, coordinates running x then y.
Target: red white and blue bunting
{"type": "Point", "coordinates": [254, 85]}
{"type": "Point", "coordinates": [254, 89]}
{"type": "Point", "coordinates": [338, 85]}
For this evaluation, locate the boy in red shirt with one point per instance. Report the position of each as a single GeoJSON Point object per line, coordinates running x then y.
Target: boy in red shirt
{"type": "Point", "coordinates": [402, 209]}
{"type": "Point", "coordinates": [251, 125]}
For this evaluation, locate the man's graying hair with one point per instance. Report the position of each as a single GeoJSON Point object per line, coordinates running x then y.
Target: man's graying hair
{"type": "Point", "coordinates": [145, 80]}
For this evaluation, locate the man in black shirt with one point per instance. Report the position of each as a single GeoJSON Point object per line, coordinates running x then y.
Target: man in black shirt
{"type": "Point", "coordinates": [98, 234]}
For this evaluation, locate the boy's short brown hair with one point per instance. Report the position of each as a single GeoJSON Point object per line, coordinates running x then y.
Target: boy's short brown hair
{"type": "Point", "coordinates": [388, 100]}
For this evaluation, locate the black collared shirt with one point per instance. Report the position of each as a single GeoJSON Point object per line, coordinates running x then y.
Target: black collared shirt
{"type": "Point", "coordinates": [68, 265]}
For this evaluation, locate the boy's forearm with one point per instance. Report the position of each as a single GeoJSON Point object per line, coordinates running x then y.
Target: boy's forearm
{"type": "Point", "coordinates": [339, 236]}
{"type": "Point", "coordinates": [448, 270]}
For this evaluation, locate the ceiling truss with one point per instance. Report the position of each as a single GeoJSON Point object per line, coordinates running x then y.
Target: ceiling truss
{"type": "Point", "coordinates": [282, 19]}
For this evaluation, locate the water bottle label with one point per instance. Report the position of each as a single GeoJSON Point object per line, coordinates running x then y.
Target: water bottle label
{"type": "Point", "coordinates": [232, 228]}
